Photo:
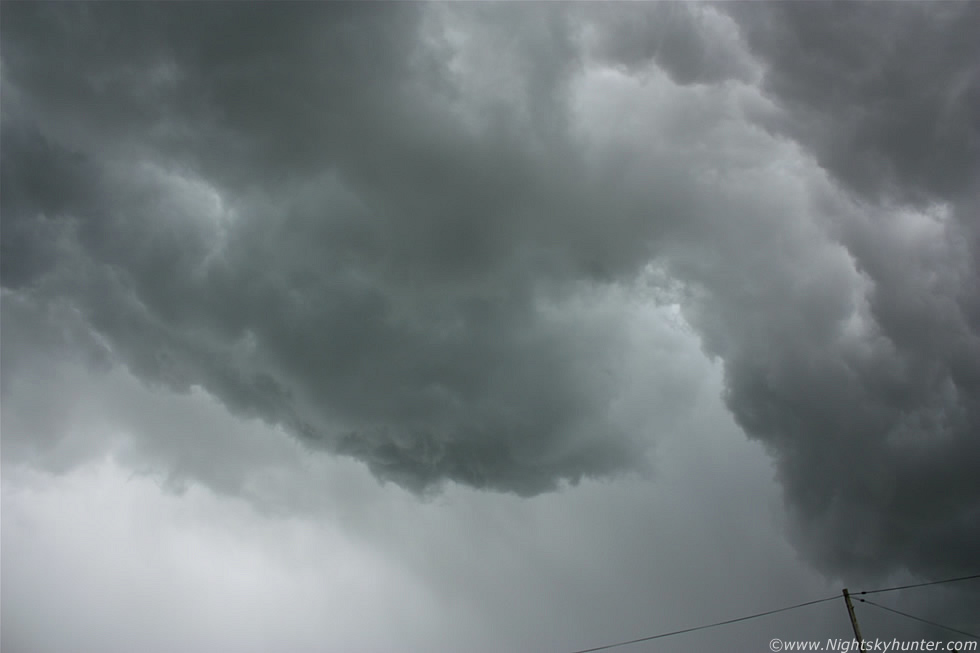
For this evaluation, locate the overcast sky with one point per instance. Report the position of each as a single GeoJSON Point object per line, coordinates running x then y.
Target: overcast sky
{"type": "Point", "coordinates": [485, 327]}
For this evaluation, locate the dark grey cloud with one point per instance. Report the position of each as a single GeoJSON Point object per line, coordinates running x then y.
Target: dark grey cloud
{"type": "Point", "coordinates": [314, 233]}
{"type": "Point", "coordinates": [882, 95]}
{"type": "Point", "coordinates": [876, 434]}
{"type": "Point", "coordinates": [418, 235]}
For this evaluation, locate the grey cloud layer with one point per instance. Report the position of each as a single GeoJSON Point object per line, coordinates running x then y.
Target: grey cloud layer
{"type": "Point", "coordinates": [365, 269]}
{"type": "Point", "coordinates": [880, 429]}
{"type": "Point", "coordinates": [883, 97]}
{"type": "Point", "coordinates": [410, 233]}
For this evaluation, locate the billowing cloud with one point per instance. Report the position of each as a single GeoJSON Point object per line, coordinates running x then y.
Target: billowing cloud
{"type": "Point", "coordinates": [881, 96]}
{"type": "Point", "coordinates": [448, 240]}
{"type": "Point", "coordinates": [382, 269]}
{"type": "Point", "coordinates": [872, 408]}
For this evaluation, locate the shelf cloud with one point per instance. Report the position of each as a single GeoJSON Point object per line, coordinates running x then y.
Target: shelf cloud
{"type": "Point", "coordinates": [432, 237]}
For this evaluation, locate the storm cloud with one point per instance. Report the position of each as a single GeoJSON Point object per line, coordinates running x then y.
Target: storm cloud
{"type": "Point", "coordinates": [432, 237]}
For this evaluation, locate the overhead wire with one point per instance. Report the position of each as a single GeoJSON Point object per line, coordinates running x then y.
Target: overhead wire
{"type": "Point", "coordinates": [856, 595]}
{"type": "Point", "coordinates": [705, 626]}
{"type": "Point", "coordinates": [907, 587]}
{"type": "Point", "coordinates": [925, 621]}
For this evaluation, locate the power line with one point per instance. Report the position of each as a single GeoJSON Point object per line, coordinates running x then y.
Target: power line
{"type": "Point", "coordinates": [906, 587]}
{"type": "Point", "coordinates": [794, 607]}
{"type": "Point", "coordinates": [705, 626]}
{"type": "Point", "coordinates": [925, 621]}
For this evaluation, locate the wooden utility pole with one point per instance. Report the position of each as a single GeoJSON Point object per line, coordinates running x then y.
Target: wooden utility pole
{"type": "Point", "coordinates": [854, 620]}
